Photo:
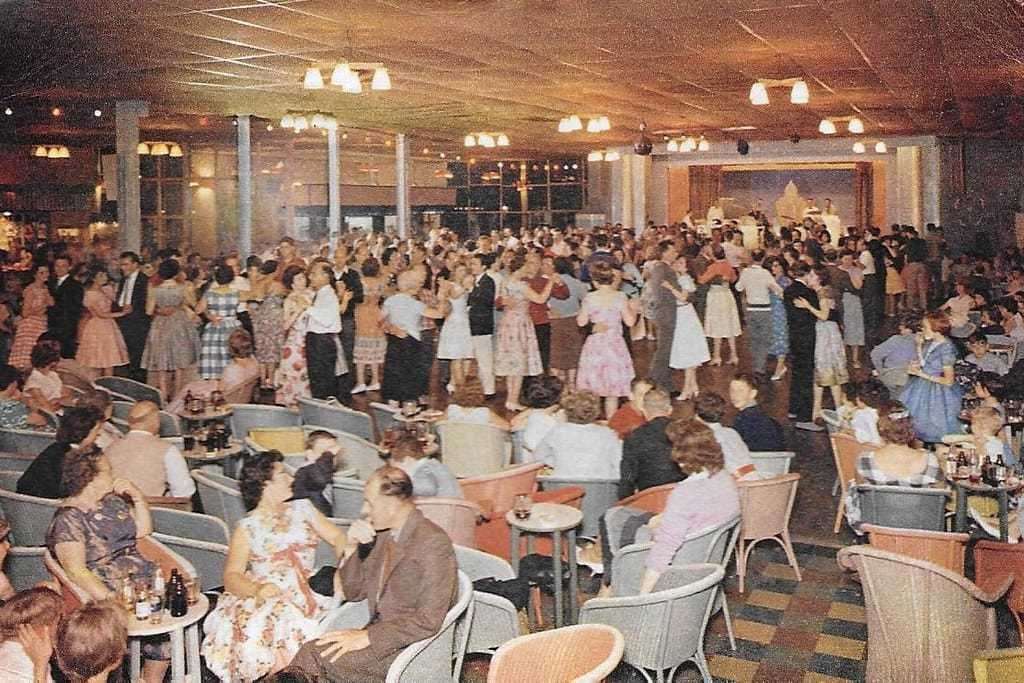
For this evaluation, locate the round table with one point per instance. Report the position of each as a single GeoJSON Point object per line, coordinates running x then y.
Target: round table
{"type": "Point", "coordinates": [554, 519]}
{"type": "Point", "coordinates": [199, 456]}
{"type": "Point", "coordinates": [962, 488]}
{"type": "Point", "coordinates": [208, 415]}
{"type": "Point", "coordinates": [184, 631]}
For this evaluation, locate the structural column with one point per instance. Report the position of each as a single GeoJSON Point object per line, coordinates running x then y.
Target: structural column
{"type": "Point", "coordinates": [402, 185]}
{"type": "Point", "coordinates": [244, 187]}
{"type": "Point", "coordinates": [333, 188]}
{"type": "Point", "coordinates": [129, 205]}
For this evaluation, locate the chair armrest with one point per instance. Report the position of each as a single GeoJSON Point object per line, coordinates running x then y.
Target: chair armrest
{"type": "Point", "coordinates": [172, 502]}
{"type": "Point", "coordinates": [566, 496]}
{"type": "Point", "coordinates": [992, 595]}
{"type": "Point", "coordinates": [165, 558]}
{"type": "Point", "coordinates": [351, 615]}
{"type": "Point", "coordinates": [628, 568]}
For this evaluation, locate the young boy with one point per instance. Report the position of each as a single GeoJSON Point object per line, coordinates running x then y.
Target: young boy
{"type": "Point", "coordinates": [757, 429]}
{"type": "Point", "coordinates": [977, 343]}
{"type": "Point", "coordinates": [865, 399]}
{"type": "Point", "coordinates": [892, 357]}
{"type": "Point", "coordinates": [323, 456]}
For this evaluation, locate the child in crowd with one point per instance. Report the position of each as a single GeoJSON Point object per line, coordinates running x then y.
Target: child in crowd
{"type": "Point", "coordinates": [863, 401]}
{"type": "Point", "coordinates": [991, 388]}
{"type": "Point", "coordinates": [323, 458]}
{"type": "Point", "coordinates": [44, 387]}
{"type": "Point", "coordinates": [981, 356]}
{"type": "Point", "coordinates": [986, 435]}
{"type": "Point", "coordinates": [757, 429]}
{"type": "Point", "coordinates": [630, 415]}
{"type": "Point", "coordinates": [14, 414]}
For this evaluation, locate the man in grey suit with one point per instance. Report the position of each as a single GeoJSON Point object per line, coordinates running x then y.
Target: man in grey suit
{"type": "Point", "coordinates": [664, 306]}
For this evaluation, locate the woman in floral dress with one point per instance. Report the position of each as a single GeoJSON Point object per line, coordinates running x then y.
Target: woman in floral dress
{"type": "Point", "coordinates": [33, 319]}
{"type": "Point", "coordinates": [220, 304]}
{"type": "Point", "coordinates": [780, 328]}
{"type": "Point", "coordinates": [268, 610]}
{"type": "Point", "coordinates": [268, 327]}
{"type": "Point", "coordinates": [606, 367]}
{"type": "Point", "coordinates": [517, 354]}
{"type": "Point", "coordinates": [293, 373]}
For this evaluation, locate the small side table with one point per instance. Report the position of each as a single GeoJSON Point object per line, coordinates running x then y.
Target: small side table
{"type": "Point", "coordinates": [184, 631]}
{"type": "Point", "coordinates": [554, 519]}
{"type": "Point", "coordinates": [962, 488]}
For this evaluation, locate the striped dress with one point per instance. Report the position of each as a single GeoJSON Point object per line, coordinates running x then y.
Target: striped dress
{"type": "Point", "coordinates": [213, 350]}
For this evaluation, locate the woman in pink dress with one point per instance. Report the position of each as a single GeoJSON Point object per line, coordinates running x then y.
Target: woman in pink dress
{"type": "Point", "coordinates": [36, 299]}
{"type": "Point", "coordinates": [605, 364]}
{"type": "Point", "coordinates": [100, 344]}
{"type": "Point", "coordinates": [293, 373]}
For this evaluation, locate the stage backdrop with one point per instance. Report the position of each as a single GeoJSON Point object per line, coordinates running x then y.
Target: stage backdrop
{"type": "Point", "coordinates": [745, 186]}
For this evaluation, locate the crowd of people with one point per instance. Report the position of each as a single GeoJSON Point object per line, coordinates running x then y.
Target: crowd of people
{"type": "Point", "coordinates": [561, 316]}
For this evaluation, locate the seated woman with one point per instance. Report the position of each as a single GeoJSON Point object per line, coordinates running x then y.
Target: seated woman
{"type": "Point", "coordinates": [542, 395]}
{"type": "Point", "coordinates": [579, 447]}
{"type": "Point", "coordinates": [91, 642]}
{"type": "Point", "coordinates": [468, 405]}
{"type": "Point", "coordinates": [6, 589]}
{"type": "Point", "coordinates": [100, 402]}
{"type": "Point", "coordinates": [241, 370]}
{"type": "Point", "coordinates": [268, 610]}
{"type": "Point", "coordinates": [28, 623]}
{"type": "Point", "coordinates": [430, 477]}
{"type": "Point", "coordinates": [79, 428]}
{"type": "Point", "coordinates": [630, 415]}
{"type": "Point", "coordinates": [14, 412]}
{"type": "Point", "coordinates": [706, 498]}
{"type": "Point", "coordinates": [44, 387]}
{"type": "Point", "coordinates": [93, 536]}
{"type": "Point", "coordinates": [897, 462]}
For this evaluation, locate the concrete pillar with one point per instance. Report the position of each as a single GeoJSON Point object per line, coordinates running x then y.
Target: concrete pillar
{"type": "Point", "coordinates": [908, 185]}
{"type": "Point", "coordinates": [639, 177]}
{"type": "Point", "coordinates": [333, 188]}
{"type": "Point", "coordinates": [402, 185]}
{"type": "Point", "coordinates": [244, 188]}
{"type": "Point", "coordinates": [931, 185]}
{"type": "Point", "coordinates": [129, 204]}
{"type": "Point", "coordinates": [615, 195]}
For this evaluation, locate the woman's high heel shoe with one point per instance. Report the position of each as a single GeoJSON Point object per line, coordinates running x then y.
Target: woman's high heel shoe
{"type": "Point", "coordinates": [715, 361]}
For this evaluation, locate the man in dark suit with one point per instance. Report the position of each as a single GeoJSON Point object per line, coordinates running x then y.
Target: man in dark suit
{"type": "Point", "coordinates": [132, 291]}
{"type": "Point", "coordinates": [664, 314]}
{"type": "Point", "coordinates": [801, 322]}
{"type": "Point", "coordinates": [481, 319]}
{"type": "Point", "coordinates": [352, 282]}
{"type": "Point", "coordinates": [64, 315]}
{"type": "Point", "coordinates": [404, 566]}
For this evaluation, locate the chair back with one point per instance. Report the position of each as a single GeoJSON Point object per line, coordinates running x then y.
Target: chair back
{"type": "Point", "coordinates": [192, 525]}
{"type": "Point", "coordinates": [924, 623]}
{"type": "Point", "coordinates": [498, 491]}
{"type": "Point", "coordinates": [766, 505]}
{"type": "Point", "coordinates": [9, 479]}
{"type": "Point", "coordinates": [347, 497]}
{"type": "Point", "coordinates": [431, 659]}
{"type": "Point", "coordinates": [241, 393]}
{"type": "Point", "coordinates": [25, 567]}
{"type": "Point", "coordinates": [476, 564]}
{"type": "Point", "coordinates": [28, 516]}
{"type": "Point", "coordinates": [207, 558]}
{"type": "Point", "coordinates": [993, 563]}
{"type": "Point", "coordinates": [585, 653]}
{"type": "Point", "coordinates": [383, 418]}
{"type": "Point", "coordinates": [120, 410]}
{"type": "Point", "coordinates": [845, 451]}
{"type": "Point", "coordinates": [169, 425]}
{"type": "Point", "coordinates": [28, 441]}
{"type": "Point", "coordinates": [73, 380]}
{"type": "Point", "coordinates": [832, 422]}
{"type": "Point", "coordinates": [219, 499]}
{"type": "Point", "coordinates": [601, 494]}
{"type": "Point", "coordinates": [772, 463]}
{"type": "Point", "coordinates": [332, 416]}
{"type": "Point", "coordinates": [495, 620]}
{"type": "Point", "coordinates": [652, 499]}
{"type": "Point", "coordinates": [472, 450]}
{"type": "Point", "coordinates": [136, 391]}
{"type": "Point", "coordinates": [456, 516]}
{"type": "Point", "coordinates": [360, 455]}
{"type": "Point", "coordinates": [16, 462]}
{"type": "Point", "coordinates": [903, 507]}
{"type": "Point", "coordinates": [246, 416]}
{"type": "Point", "coordinates": [73, 596]}
{"type": "Point", "coordinates": [938, 547]}
{"type": "Point", "coordinates": [216, 474]}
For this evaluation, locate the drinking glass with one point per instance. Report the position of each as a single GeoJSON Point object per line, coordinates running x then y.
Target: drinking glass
{"type": "Point", "coordinates": [522, 506]}
{"type": "Point", "coordinates": [191, 589]}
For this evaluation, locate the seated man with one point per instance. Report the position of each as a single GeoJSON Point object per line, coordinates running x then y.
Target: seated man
{"type": "Point", "coordinates": [79, 428]}
{"type": "Point", "coordinates": [404, 566]}
{"type": "Point", "coordinates": [710, 408]}
{"type": "Point", "coordinates": [757, 429]}
{"type": "Point", "coordinates": [156, 466]}
{"type": "Point", "coordinates": [646, 452]}
{"type": "Point", "coordinates": [981, 356]}
{"type": "Point", "coordinates": [892, 357]}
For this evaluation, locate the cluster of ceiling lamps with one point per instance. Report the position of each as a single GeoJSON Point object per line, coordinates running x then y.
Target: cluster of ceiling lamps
{"type": "Point", "coordinates": [305, 120]}
{"type": "Point", "coordinates": [688, 144]}
{"type": "Point", "coordinates": [798, 94]}
{"type": "Point", "coordinates": [599, 155]}
{"type": "Point", "coordinates": [861, 148]}
{"type": "Point", "coordinates": [595, 124]}
{"type": "Point", "coordinates": [347, 77]}
{"type": "Point", "coordinates": [161, 149]}
{"type": "Point", "coordinates": [51, 152]}
{"type": "Point", "coordinates": [486, 140]}
{"type": "Point", "coordinates": [853, 124]}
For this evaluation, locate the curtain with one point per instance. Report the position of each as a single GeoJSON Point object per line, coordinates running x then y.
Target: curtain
{"type": "Point", "coordinates": [705, 187]}
{"type": "Point", "coordinates": [863, 190]}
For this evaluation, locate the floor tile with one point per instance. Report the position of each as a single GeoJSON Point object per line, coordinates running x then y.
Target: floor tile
{"type": "Point", "coordinates": [733, 669]}
{"type": "Point", "coordinates": [847, 612]}
{"type": "Point", "coordinates": [762, 598]}
{"type": "Point", "coordinates": [839, 667]}
{"type": "Point", "coordinates": [841, 647]}
{"type": "Point", "coordinates": [752, 630]}
{"type": "Point", "coordinates": [761, 614]}
{"type": "Point", "coordinates": [845, 629]}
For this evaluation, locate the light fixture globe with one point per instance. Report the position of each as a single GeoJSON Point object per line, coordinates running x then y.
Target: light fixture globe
{"type": "Point", "coordinates": [881, 147]}
{"type": "Point", "coordinates": [470, 141]}
{"type": "Point", "coordinates": [826, 127]}
{"type": "Point", "coordinates": [287, 121]}
{"type": "Point", "coordinates": [175, 152]}
{"type": "Point", "coordinates": [800, 94]}
{"type": "Point", "coordinates": [672, 146]}
{"type": "Point", "coordinates": [314, 80]}
{"type": "Point", "coordinates": [301, 123]}
{"type": "Point", "coordinates": [605, 123]}
{"type": "Point", "coordinates": [353, 85]}
{"type": "Point", "coordinates": [143, 148]}
{"type": "Point", "coordinates": [39, 151]}
{"type": "Point", "coordinates": [160, 149]}
{"type": "Point", "coordinates": [341, 74]}
{"type": "Point", "coordinates": [593, 126]}
{"type": "Point", "coordinates": [758, 94]}
{"type": "Point", "coordinates": [858, 148]}
{"type": "Point", "coordinates": [63, 153]}
{"type": "Point", "coordinates": [485, 140]}
{"type": "Point", "coordinates": [53, 153]}
{"type": "Point", "coordinates": [612, 156]}
{"type": "Point", "coordinates": [503, 140]}
{"type": "Point", "coordinates": [856, 126]}
{"type": "Point", "coordinates": [595, 156]}
{"type": "Point", "coordinates": [381, 79]}
{"type": "Point", "coordinates": [575, 122]}
{"type": "Point", "coordinates": [703, 145]}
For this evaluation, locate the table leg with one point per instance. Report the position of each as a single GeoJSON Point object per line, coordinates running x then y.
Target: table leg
{"type": "Point", "coordinates": [177, 656]}
{"type": "Point", "coordinates": [573, 581]}
{"type": "Point", "coordinates": [514, 550]}
{"type": "Point", "coordinates": [556, 561]}
{"type": "Point", "coordinates": [1004, 516]}
{"type": "Point", "coordinates": [960, 521]}
{"type": "Point", "coordinates": [135, 663]}
{"type": "Point", "coordinates": [192, 652]}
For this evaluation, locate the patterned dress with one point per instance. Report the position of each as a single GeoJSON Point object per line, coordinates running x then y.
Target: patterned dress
{"type": "Point", "coordinates": [268, 328]}
{"type": "Point", "coordinates": [245, 637]}
{"type": "Point", "coordinates": [516, 352]}
{"type": "Point", "coordinates": [934, 408]}
{"type": "Point", "coordinates": [293, 374]}
{"type": "Point", "coordinates": [213, 352]}
{"type": "Point", "coordinates": [371, 344]}
{"type": "Point", "coordinates": [33, 323]}
{"type": "Point", "coordinates": [173, 343]}
{"type": "Point", "coordinates": [829, 352]}
{"type": "Point", "coordinates": [100, 344]}
{"type": "Point", "coordinates": [606, 367]}
{"type": "Point", "coordinates": [780, 328]}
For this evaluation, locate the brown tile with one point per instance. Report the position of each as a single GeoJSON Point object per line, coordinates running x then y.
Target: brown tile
{"type": "Point", "coordinates": [779, 571]}
{"type": "Point", "coordinates": [732, 669]}
{"type": "Point", "coordinates": [809, 606]}
{"type": "Point", "coordinates": [847, 612]}
{"type": "Point", "coordinates": [813, 677]}
{"type": "Point", "coordinates": [795, 639]}
{"type": "Point", "coordinates": [769, 672]}
{"type": "Point", "coordinates": [840, 647]}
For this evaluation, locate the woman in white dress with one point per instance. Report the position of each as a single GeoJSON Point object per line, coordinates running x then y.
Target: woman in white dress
{"type": "Point", "coordinates": [689, 345]}
{"type": "Point", "coordinates": [456, 343]}
{"type": "Point", "coordinates": [721, 317]}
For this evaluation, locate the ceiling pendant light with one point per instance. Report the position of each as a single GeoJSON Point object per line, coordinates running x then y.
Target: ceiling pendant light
{"type": "Point", "coordinates": [856, 126]}
{"type": "Point", "coordinates": [826, 127]}
{"type": "Point", "coordinates": [858, 148]}
{"type": "Point", "coordinates": [63, 153]}
{"type": "Point", "coordinates": [881, 147]}
{"type": "Point", "coordinates": [758, 94]}
{"type": "Point", "coordinates": [354, 85]}
{"type": "Point", "coordinates": [564, 126]}
{"type": "Point", "coordinates": [595, 156]}
{"type": "Point", "coordinates": [575, 123]}
{"type": "Point", "coordinates": [8, 111]}
{"type": "Point", "coordinates": [314, 80]}
{"type": "Point", "coordinates": [301, 123]}
{"type": "Point", "coordinates": [317, 120]}
{"type": "Point", "coordinates": [160, 149]}
{"type": "Point", "coordinates": [688, 145]}
{"type": "Point", "coordinates": [341, 74]}
{"type": "Point", "coordinates": [53, 153]}
{"type": "Point", "coordinates": [800, 94]}
{"type": "Point", "coordinates": [612, 156]}
{"type": "Point", "coordinates": [175, 152]}
{"type": "Point", "coordinates": [485, 140]}
{"type": "Point", "coordinates": [287, 121]}
{"type": "Point", "coordinates": [39, 151]}
{"type": "Point", "coordinates": [143, 148]}
{"type": "Point", "coordinates": [470, 141]}
{"type": "Point", "coordinates": [381, 79]}
{"type": "Point", "coordinates": [672, 146]}
{"type": "Point", "coordinates": [503, 140]}
{"type": "Point", "coordinates": [703, 145]}
{"type": "Point", "coordinates": [605, 123]}
{"type": "Point", "coordinates": [593, 126]}
{"type": "Point", "coordinates": [330, 123]}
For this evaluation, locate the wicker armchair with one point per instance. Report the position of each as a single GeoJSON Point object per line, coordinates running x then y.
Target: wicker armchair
{"type": "Point", "coordinates": [495, 620]}
{"type": "Point", "coordinates": [938, 547]}
{"type": "Point", "coordinates": [586, 653]}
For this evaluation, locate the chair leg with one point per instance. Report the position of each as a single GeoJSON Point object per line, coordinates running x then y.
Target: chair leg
{"type": "Point", "coordinates": [787, 545]}
{"type": "Point", "coordinates": [535, 597]}
{"type": "Point", "coordinates": [840, 511]}
{"type": "Point", "coordinates": [702, 664]}
{"type": "Point", "coordinates": [741, 563]}
{"type": "Point", "coordinates": [728, 618]}
{"type": "Point", "coordinates": [835, 486]}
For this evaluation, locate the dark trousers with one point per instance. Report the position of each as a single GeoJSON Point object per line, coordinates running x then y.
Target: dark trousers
{"type": "Point", "coordinates": [348, 345]}
{"type": "Point", "coordinates": [321, 359]}
{"type": "Point", "coordinates": [404, 378]}
{"type": "Point", "coordinates": [873, 302]}
{"type": "Point", "coordinates": [659, 371]}
{"type": "Point", "coordinates": [543, 333]}
{"type": "Point", "coordinates": [801, 374]}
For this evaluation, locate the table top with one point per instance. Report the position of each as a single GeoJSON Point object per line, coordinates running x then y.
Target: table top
{"type": "Point", "coordinates": [206, 415]}
{"type": "Point", "coordinates": [421, 416]}
{"type": "Point", "coordinates": [137, 629]}
{"type": "Point", "coordinates": [200, 453]}
{"type": "Point", "coordinates": [546, 517]}
{"type": "Point", "coordinates": [981, 487]}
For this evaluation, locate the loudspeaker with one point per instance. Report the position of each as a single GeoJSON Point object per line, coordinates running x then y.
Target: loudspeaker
{"type": "Point", "coordinates": [743, 147]}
